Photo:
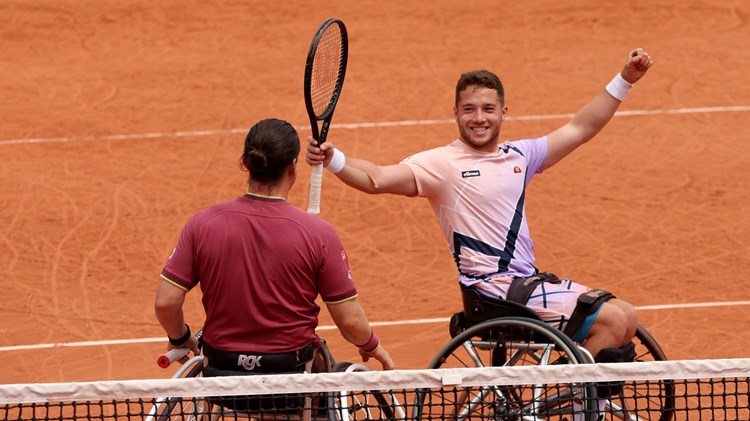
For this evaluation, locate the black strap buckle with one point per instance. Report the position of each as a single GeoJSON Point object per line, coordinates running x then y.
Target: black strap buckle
{"type": "Point", "coordinates": [521, 288]}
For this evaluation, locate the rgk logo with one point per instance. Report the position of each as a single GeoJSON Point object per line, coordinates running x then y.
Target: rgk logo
{"type": "Point", "coordinates": [249, 362]}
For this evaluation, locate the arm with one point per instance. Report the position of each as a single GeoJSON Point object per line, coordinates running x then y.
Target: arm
{"type": "Point", "coordinates": [592, 118]}
{"type": "Point", "coordinates": [352, 323]}
{"type": "Point", "coordinates": [364, 175]}
{"type": "Point", "coordinates": [168, 309]}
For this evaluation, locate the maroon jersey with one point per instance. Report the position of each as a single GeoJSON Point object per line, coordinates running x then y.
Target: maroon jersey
{"type": "Point", "coordinates": [260, 263]}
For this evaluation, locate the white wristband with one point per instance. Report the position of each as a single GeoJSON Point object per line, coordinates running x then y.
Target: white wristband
{"type": "Point", "coordinates": [619, 87]}
{"type": "Point", "coordinates": [338, 161]}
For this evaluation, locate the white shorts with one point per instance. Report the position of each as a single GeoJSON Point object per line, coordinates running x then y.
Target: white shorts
{"type": "Point", "coordinates": [553, 302]}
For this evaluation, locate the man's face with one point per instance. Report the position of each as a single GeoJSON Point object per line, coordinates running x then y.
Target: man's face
{"type": "Point", "coordinates": [479, 115]}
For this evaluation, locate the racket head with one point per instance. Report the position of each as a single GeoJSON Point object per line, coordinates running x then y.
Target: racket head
{"type": "Point", "coordinates": [325, 69]}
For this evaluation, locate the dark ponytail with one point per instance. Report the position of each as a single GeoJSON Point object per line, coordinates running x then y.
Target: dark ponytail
{"type": "Point", "coordinates": [270, 146]}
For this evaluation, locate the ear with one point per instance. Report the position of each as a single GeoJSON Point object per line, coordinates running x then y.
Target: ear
{"type": "Point", "coordinates": [504, 113]}
{"type": "Point", "coordinates": [291, 170]}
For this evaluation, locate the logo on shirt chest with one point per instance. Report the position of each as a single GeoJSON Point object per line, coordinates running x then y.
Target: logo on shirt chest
{"type": "Point", "coordinates": [471, 173]}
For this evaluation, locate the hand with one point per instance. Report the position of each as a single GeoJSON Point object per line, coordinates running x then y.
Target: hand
{"type": "Point", "coordinates": [191, 343]}
{"type": "Point", "coordinates": [380, 354]}
{"type": "Point", "coordinates": [638, 63]}
{"type": "Point", "coordinates": [317, 155]}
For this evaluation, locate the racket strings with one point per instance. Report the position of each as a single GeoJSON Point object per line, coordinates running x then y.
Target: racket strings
{"type": "Point", "coordinates": [326, 68]}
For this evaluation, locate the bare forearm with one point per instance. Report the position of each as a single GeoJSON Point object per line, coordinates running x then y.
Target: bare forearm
{"type": "Point", "coordinates": [595, 115]}
{"type": "Point", "coordinates": [584, 125]}
{"type": "Point", "coordinates": [173, 322]}
{"type": "Point", "coordinates": [360, 174]}
{"type": "Point", "coordinates": [370, 178]}
{"type": "Point", "coordinates": [351, 321]}
{"type": "Point", "coordinates": [592, 118]}
{"type": "Point", "coordinates": [356, 335]}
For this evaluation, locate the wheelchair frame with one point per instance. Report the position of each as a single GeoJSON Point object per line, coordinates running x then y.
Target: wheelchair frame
{"type": "Point", "coordinates": [338, 406]}
{"type": "Point", "coordinates": [502, 333]}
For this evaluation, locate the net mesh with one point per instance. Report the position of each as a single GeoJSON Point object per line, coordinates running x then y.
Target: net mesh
{"type": "Point", "coordinates": [665, 390]}
{"type": "Point", "coordinates": [326, 67]}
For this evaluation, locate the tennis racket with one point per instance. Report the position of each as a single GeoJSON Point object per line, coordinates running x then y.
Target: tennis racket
{"type": "Point", "coordinates": [324, 78]}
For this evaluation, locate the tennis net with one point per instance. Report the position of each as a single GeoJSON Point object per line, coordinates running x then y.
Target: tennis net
{"type": "Point", "coordinates": [660, 390]}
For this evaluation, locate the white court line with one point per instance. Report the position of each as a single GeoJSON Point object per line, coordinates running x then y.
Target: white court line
{"type": "Point", "coordinates": [352, 126]}
{"type": "Point", "coordinates": [392, 323]}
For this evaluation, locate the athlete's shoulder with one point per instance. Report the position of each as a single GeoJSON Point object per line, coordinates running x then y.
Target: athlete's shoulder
{"type": "Point", "coordinates": [318, 224]}
{"type": "Point", "coordinates": [318, 230]}
{"type": "Point", "coordinates": [434, 154]}
{"type": "Point", "coordinates": [310, 222]}
{"type": "Point", "coordinates": [525, 147]}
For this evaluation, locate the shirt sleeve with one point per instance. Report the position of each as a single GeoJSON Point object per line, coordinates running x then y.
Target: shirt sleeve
{"type": "Point", "coordinates": [427, 167]}
{"type": "Point", "coordinates": [335, 281]}
{"type": "Point", "coordinates": [535, 151]}
{"type": "Point", "coordinates": [180, 268]}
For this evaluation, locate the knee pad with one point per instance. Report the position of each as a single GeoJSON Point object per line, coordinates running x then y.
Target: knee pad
{"type": "Point", "coordinates": [623, 354]}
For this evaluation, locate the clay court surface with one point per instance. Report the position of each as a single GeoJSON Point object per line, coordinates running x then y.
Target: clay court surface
{"type": "Point", "coordinates": [119, 120]}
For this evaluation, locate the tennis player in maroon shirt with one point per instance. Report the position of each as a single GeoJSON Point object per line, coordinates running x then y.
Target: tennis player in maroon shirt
{"type": "Point", "coordinates": [261, 263]}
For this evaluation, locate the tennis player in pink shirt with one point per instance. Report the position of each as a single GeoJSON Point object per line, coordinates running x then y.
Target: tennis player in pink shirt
{"type": "Point", "coordinates": [476, 186]}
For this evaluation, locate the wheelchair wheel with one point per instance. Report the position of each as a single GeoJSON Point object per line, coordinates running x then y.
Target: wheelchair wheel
{"type": "Point", "coordinates": [645, 400]}
{"type": "Point", "coordinates": [365, 404]}
{"type": "Point", "coordinates": [508, 341]}
{"type": "Point", "coordinates": [183, 408]}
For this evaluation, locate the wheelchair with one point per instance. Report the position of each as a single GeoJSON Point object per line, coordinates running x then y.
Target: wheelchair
{"type": "Point", "coordinates": [326, 406]}
{"type": "Point", "coordinates": [493, 332]}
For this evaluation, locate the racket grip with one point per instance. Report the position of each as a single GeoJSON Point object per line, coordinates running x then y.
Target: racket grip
{"type": "Point", "coordinates": [166, 359]}
{"type": "Point", "coordinates": [316, 182]}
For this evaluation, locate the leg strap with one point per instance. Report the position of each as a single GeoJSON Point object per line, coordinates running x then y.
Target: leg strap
{"type": "Point", "coordinates": [588, 304]}
{"type": "Point", "coordinates": [521, 288]}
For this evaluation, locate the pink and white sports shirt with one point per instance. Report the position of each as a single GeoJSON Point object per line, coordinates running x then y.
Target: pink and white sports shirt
{"type": "Point", "coordinates": [479, 202]}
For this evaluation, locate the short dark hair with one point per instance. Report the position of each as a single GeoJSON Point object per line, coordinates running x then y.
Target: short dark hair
{"type": "Point", "coordinates": [483, 78]}
{"type": "Point", "coordinates": [270, 146]}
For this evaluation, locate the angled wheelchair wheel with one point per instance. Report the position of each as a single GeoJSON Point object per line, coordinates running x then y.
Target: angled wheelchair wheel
{"type": "Point", "coordinates": [183, 408]}
{"type": "Point", "coordinates": [508, 341]}
{"type": "Point", "coordinates": [304, 407]}
{"type": "Point", "coordinates": [652, 400]}
{"type": "Point", "coordinates": [363, 404]}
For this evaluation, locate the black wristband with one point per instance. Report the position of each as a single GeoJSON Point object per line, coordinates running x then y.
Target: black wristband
{"type": "Point", "coordinates": [182, 340]}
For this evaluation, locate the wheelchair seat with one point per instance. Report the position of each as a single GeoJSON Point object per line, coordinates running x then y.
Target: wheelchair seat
{"type": "Point", "coordinates": [479, 308]}
{"type": "Point", "coordinates": [282, 404]}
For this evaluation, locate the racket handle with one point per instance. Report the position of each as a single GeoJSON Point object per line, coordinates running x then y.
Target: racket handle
{"type": "Point", "coordinates": [165, 360]}
{"type": "Point", "coordinates": [316, 182]}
